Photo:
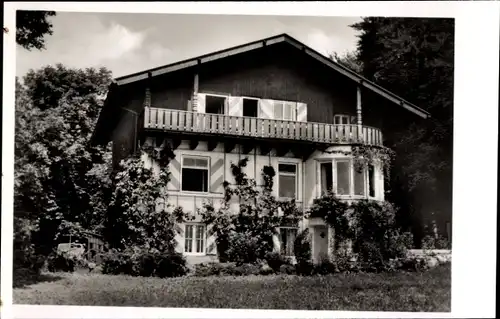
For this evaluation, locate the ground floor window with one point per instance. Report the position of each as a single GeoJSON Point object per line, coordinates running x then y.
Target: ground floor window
{"type": "Point", "coordinates": [343, 178]}
{"type": "Point", "coordinates": [287, 239]}
{"type": "Point", "coordinates": [194, 238]}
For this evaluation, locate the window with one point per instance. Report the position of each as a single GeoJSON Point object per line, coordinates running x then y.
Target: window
{"type": "Point", "coordinates": [285, 111]}
{"type": "Point", "coordinates": [194, 238]}
{"type": "Point", "coordinates": [215, 104]}
{"type": "Point", "coordinates": [287, 180]}
{"type": "Point", "coordinates": [371, 181]}
{"type": "Point", "coordinates": [359, 182]}
{"type": "Point", "coordinates": [346, 179]}
{"type": "Point", "coordinates": [343, 119]}
{"type": "Point", "coordinates": [326, 171]}
{"type": "Point", "coordinates": [250, 107]}
{"type": "Point", "coordinates": [195, 174]}
{"type": "Point", "coordinates": [287, 239]}
{"type": "Point", "coordinates": [343, 177]}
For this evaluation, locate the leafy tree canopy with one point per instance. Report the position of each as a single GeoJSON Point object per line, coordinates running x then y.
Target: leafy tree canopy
{"type": "Point", "coordinates": [414, 57]}
{"type": "Point", "coordinates": [31, 28]}
{"type": "Point", "coordinates": [56, 110]}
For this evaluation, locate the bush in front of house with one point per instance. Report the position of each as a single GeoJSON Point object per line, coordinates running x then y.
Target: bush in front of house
{"type": "Point", "coordinates": [302, 252]}
{"type": "Point", "coordinates": [64, 261]}
{"type": "Point", "coordinates": [245, 235]}
{"type": "Point", "coordinates": [144, 262]}
{"type": "Point", "coordinates": [275, 260]}
{"type": "Point", "coordinates": [287, 269]}
{"type": "Point", "coordinates": [242, 248]}
{"type": "Point", "coordinates": [431, 242]}
{"type": "Point", "coordinates": [225, 269]}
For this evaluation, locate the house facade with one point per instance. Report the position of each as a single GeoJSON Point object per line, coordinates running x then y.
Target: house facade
{"type": "Point", "coordinates": [276, 102]}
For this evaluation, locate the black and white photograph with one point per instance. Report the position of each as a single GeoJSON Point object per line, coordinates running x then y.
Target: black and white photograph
{"type": "Point", "coordinates": [238, 161]}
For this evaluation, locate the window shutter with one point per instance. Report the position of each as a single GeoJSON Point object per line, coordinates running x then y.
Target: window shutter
{"type": "Point", "coordinates": [266, 110]}
{"type": "Point", "coordinates": [235, 106]}
{"type": "Point", "coordinates": [301, 112]}
{"type": "Point", "coordinates": [201, 103]}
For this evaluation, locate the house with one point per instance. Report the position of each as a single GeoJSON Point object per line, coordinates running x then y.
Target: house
{"type": "Point", "coordinates": [275, 101]}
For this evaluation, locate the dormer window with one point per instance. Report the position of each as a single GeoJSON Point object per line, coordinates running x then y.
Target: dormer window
{"type": "Point", "coordinates": [344, 119]}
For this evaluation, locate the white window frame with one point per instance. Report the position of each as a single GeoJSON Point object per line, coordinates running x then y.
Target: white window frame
{"type": "Point", "coordinates": [182, 169]}
{"type": "Point", "coordinates": [351, 177]}
{"type": "Point", "coordinates": [351, 194]}
{"type": "Point", "coordinates": [194, 239]}
{"type": "Point", "coordinates": [225, 96]}
{"type": "Point", "coordinates": [253, 98]}
{"type": "Point", "coordinates": [281, 242]}
{"type": "Point", "coordinates": [334, 185]}
{"type": "Point", "coordinates": [293, 107]}
{"type": "Point", "coordinates": [296, 175]}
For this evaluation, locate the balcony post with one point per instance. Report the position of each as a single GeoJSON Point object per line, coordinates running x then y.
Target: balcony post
{"type": "Point", "coordinates": [195, 93]}
{"type": "Point", "coordinates": [358, 112]}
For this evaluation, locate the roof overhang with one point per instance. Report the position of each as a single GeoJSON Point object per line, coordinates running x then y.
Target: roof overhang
{"type": "Point", "coordinates": [282, 38]}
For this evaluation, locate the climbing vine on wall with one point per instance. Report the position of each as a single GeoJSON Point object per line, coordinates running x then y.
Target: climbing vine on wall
{"type": "Point", "coordinates": [364, 155]}
{"type": "Point", "coordinates": [259, 214]}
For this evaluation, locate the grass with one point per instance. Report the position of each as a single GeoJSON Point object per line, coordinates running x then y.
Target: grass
{"type": "Point", "coordinates": [426, 291]}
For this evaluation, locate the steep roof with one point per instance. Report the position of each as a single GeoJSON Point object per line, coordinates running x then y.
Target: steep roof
{"type": "Point", "coordinates": [282, 38]}
{"type": "Point", "coordinates": [251, 46]}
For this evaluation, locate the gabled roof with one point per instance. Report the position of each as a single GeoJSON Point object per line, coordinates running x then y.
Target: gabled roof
{"type": "Point", "coordinates": [282, 38]}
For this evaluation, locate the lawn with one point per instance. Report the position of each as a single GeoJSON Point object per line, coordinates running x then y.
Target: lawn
{"type": "Point", "coordinates": [427, 291]}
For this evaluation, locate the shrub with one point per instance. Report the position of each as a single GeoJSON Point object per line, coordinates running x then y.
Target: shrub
{"type": "Point", "coordinates": [265, 269]}
{"type": "Point", "coordinates": [243, 248]}
{"type": "Point", "coordinates": [275, 260]}
{"type": "Point", "coordinates": [430, 242]}
{"type": "Point", "coordinates": [302, 247]}
{"type": "Point", "coordinates": [370, 256]}
{"type": "Point", "coordinates": [325, 267]}
{"type": "Point", "coordinates": [63, 261]}
{"type": "Point", "coordinates": [397, 244]}
{"type": "Point", "coordinates": [345, 260]}
{"type": "Point", "coordinates": [115, 262]}
{"type": "Point", "coordinates": [225, 269]}
{"type": "Point", "coordinates": [246, 270]}
{"type": "Point", "coordinates": [304, 268]}
{"type": "Point", "coordinates": [287, 269]}
{"type": "Point", "coordinates": [207, 269]}
{"type": "Point", "coordinates": [145, 263]}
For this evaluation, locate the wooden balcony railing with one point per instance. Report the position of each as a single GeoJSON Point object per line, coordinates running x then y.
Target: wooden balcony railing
{"type": "Point", "coordinates": [184, 121]}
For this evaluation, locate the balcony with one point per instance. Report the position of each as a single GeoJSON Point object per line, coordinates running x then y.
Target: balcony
{"type": "Point", "coordinates": [223, 125]}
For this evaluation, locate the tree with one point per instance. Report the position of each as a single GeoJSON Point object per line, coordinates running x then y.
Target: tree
{"type": "Point", "coordinates": [415, 58]}
{"type": "Point", "coordinates": [31, 28]}
{"type": "Point", "coordinates": [56, 110]}
{"type": "Point", "coordinates": [349, 60]}
{"type": "Point", "coordinates": [139, 214]}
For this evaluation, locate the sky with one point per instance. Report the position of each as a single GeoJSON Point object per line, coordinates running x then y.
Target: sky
{"type": "Point", "coordinates": [131, 42]}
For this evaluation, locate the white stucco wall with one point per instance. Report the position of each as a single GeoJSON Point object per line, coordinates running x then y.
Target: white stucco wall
{"type": "Point", "coordinates": [308, 183]}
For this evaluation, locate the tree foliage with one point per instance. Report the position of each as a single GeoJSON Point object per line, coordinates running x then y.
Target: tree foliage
{"type": "Point", "coordinates": [259, 214]}
{"type": "Point", "coordinates": [32, 27]}
{"type": "Point", "coordinates": [54, 121]}
{"type": "Point", "coordinates": [349, 60]}
{"type": "Point", "coordinates": [139, 214]}
{"type": "Point", "coordinates": [415, 58]}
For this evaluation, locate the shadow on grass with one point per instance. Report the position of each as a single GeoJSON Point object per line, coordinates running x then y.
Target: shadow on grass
{"type": "Point", "coordinates": [25, 280]}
